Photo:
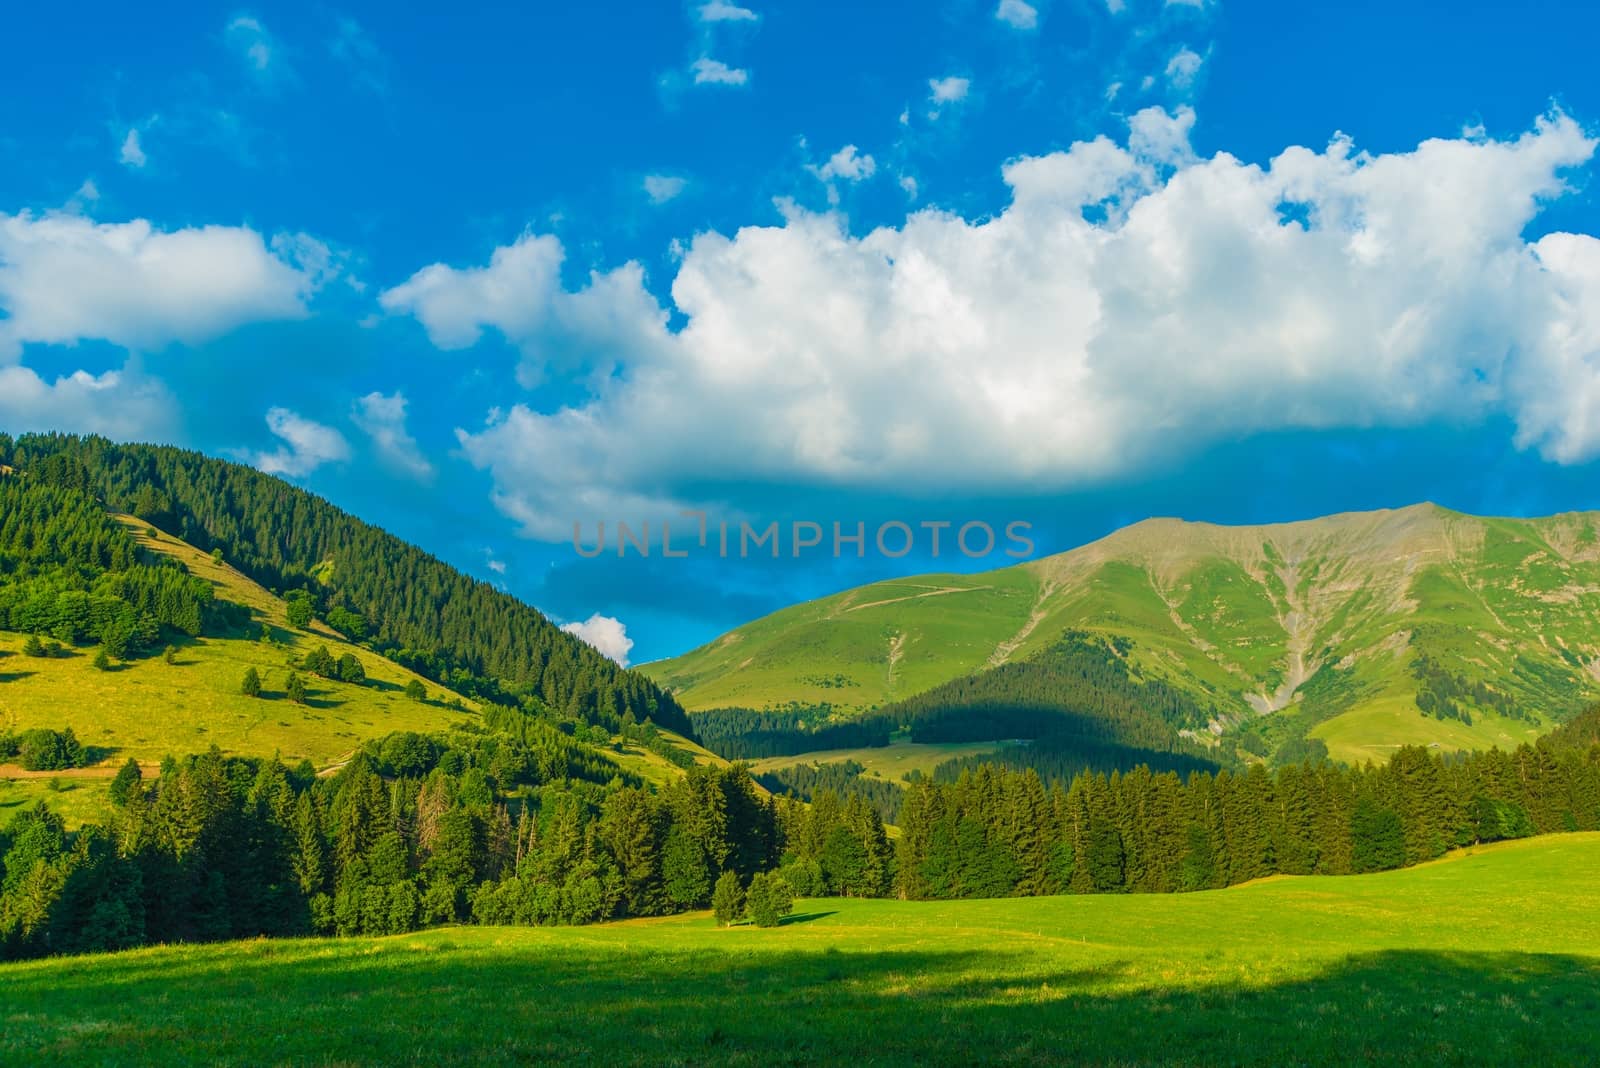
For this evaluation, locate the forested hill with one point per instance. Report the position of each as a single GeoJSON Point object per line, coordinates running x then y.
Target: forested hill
{"type": "Point", "coordinates": [410, 605]}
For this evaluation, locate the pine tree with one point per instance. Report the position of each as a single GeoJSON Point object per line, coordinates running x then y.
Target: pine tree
{"type": "Point", "coordinates": [101, 660]}
{"type": "Point", "coordinates": [727, 899]}
{"type": "Point", "coordinates": [296, 689]}
{"type": "Point", "coordinates": [128, 780]}
{"type": "Point", "coordinates": [251, 686]}
{"type": "Point", "coordinates": [33, 647]}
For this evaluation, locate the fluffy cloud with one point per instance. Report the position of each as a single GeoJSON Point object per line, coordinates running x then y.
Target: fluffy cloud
{"type": "Point", "coordinates": [948, 90]}
{"type": "Point", "coordinates": [1133, 300]}
{"type": "Point", "coordinates": [383, 419]}
{"type": "Point", "coordinates": [661, 188]}
{"type": "Point", "coordinates": [65, 278]}
{"type": "Point", "coordinates": [604, 633]}
{"type": "Point", "coordinates": [519, 294]}
{"type": "Point", "coordinates": [722, 11]}
{"type": "Point", "coordinates": [132, 152]}
{"type": "Point", "coordinates": [118, 404]}
{"type": "Point", "coordinates": [847, 164]}
{"type": "Point", "coordinates": [1018, 14]}
{"type": "Point", "coordinates": [306, 445]}
{"type": "Point", "coordinates": [708, 71]}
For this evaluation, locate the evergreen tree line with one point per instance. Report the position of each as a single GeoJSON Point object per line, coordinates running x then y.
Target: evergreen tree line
{"type": "Point", "coordinates": [842, 778]}
{"type": "Point", "coordinates": [70, 571]}
{"type": "Point", "coordinates": [1083, 686]}
{"type": "Point", "coordinates": [454, 630]}
{"type": "Point", "coordinates": [414, 831]}
{"type": "Point", "coordinates": [995, 832]}
{"type": "Point", "coordinates": [748, 734]}
{"type": "Point", "coordinates": [1062, 756]}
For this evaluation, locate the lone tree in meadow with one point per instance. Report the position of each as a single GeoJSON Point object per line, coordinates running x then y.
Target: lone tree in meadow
{"type": "Point", "coordinates": [251, 687]}
{"type": "Point", "coordinates": [770, 899]}
{"type": "Point", "coordinates": [415, 691]}
{"type": "Point", "coordinates": [296, 690]}
{"type": "Point", "coordinates": [101, 660]}
{"type": "Point", "coordinates": [727, 900]}
{"type": "Point", "coordinates": [350, 669]}
{"type": "Point", "coordinates": [33, 646]}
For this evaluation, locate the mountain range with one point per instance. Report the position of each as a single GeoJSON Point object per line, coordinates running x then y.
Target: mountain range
{"type": "Point", "coordinates": [1366, 630]}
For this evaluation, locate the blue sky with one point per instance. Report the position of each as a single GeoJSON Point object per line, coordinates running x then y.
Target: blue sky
{"type": "Point", "coordinates": [475, 275]}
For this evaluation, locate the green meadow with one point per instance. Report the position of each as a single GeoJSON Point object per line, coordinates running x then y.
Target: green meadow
{"type": "Point", "coordinates": [148, 708]}
{"type": "Point", "coordinates": [1488, 956]}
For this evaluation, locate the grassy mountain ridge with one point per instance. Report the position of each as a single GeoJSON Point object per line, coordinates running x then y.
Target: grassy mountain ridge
{"type": "Point", "coordinates": [1347, 627]}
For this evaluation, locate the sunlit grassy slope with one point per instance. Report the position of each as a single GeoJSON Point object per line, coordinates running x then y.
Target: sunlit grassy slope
{"type": "Point", "coordinates": [148, 708]}
{"type": "Point", "coordinates": [1486, 958]}
{"type": "Point", "coordinates": [1244, 618]}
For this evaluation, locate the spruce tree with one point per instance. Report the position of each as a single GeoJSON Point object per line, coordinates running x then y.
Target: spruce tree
{"type": "Point", "coordinates": [296, 689]}
{"type": "Point", "coordinates": [727, 899]}
{"type": "Point", "coordinates": [251, 686]}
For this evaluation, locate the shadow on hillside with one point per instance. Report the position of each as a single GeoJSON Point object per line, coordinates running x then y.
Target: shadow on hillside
{"type": "Point", "coordinates": [13, 676]}
{"type": "Point", "coordinates": [593, 1002]}
{"type": "Point", "coordinates": [99, 754]}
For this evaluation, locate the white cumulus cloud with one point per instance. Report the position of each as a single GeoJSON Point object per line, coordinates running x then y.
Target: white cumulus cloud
{"type": "Point", "coordinates": [118, 404]}
{"type": "Point", "coordinates": [519, 295]}
{"type": "Point", "coordinates": [1133, 300]}
{"type": "Point", "coordinates": [1018, 14]}
{"type": "Point", "coordinates": [66, 278]}
{"type": "Point", "coordinates": [307, 445]}
{"type": "Point", "coordinates": [604, 633]}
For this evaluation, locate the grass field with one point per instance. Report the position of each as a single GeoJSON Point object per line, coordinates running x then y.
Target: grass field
{"type": "Point", "coordinates": [1488, 957]}
{"type": "Point", "coordinates": [1354, 736]}
{"type": "Point", "coordinates": [148, 708]}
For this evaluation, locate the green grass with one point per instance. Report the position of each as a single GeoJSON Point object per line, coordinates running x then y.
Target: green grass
{"type": "Point", "coordinates": [77, 801]}
{"type": "Point", "coordinates": [147, 708]}
{"type": "Point", "coordinates": [1491, 957]}
{"type": "Point", "coordinates": [1374, 729]}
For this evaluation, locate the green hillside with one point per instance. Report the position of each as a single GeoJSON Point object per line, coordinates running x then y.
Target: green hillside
{"type": "Point", "coordinates": [1343, 627]}
{"type": "Point", "coordinates": [1485, 957]}
{"type": "Point", "coordinates": [413, 607]}
{"type": "Point", "coordinates": [147, 708]}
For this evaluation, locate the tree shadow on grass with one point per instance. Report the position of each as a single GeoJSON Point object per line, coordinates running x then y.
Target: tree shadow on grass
{"type": "Point", "coordinates": [803, 917]}
{"type": "Point", "coordinates": [14, 676]}
{"type": "Point", "coordinates": [441, 998]}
